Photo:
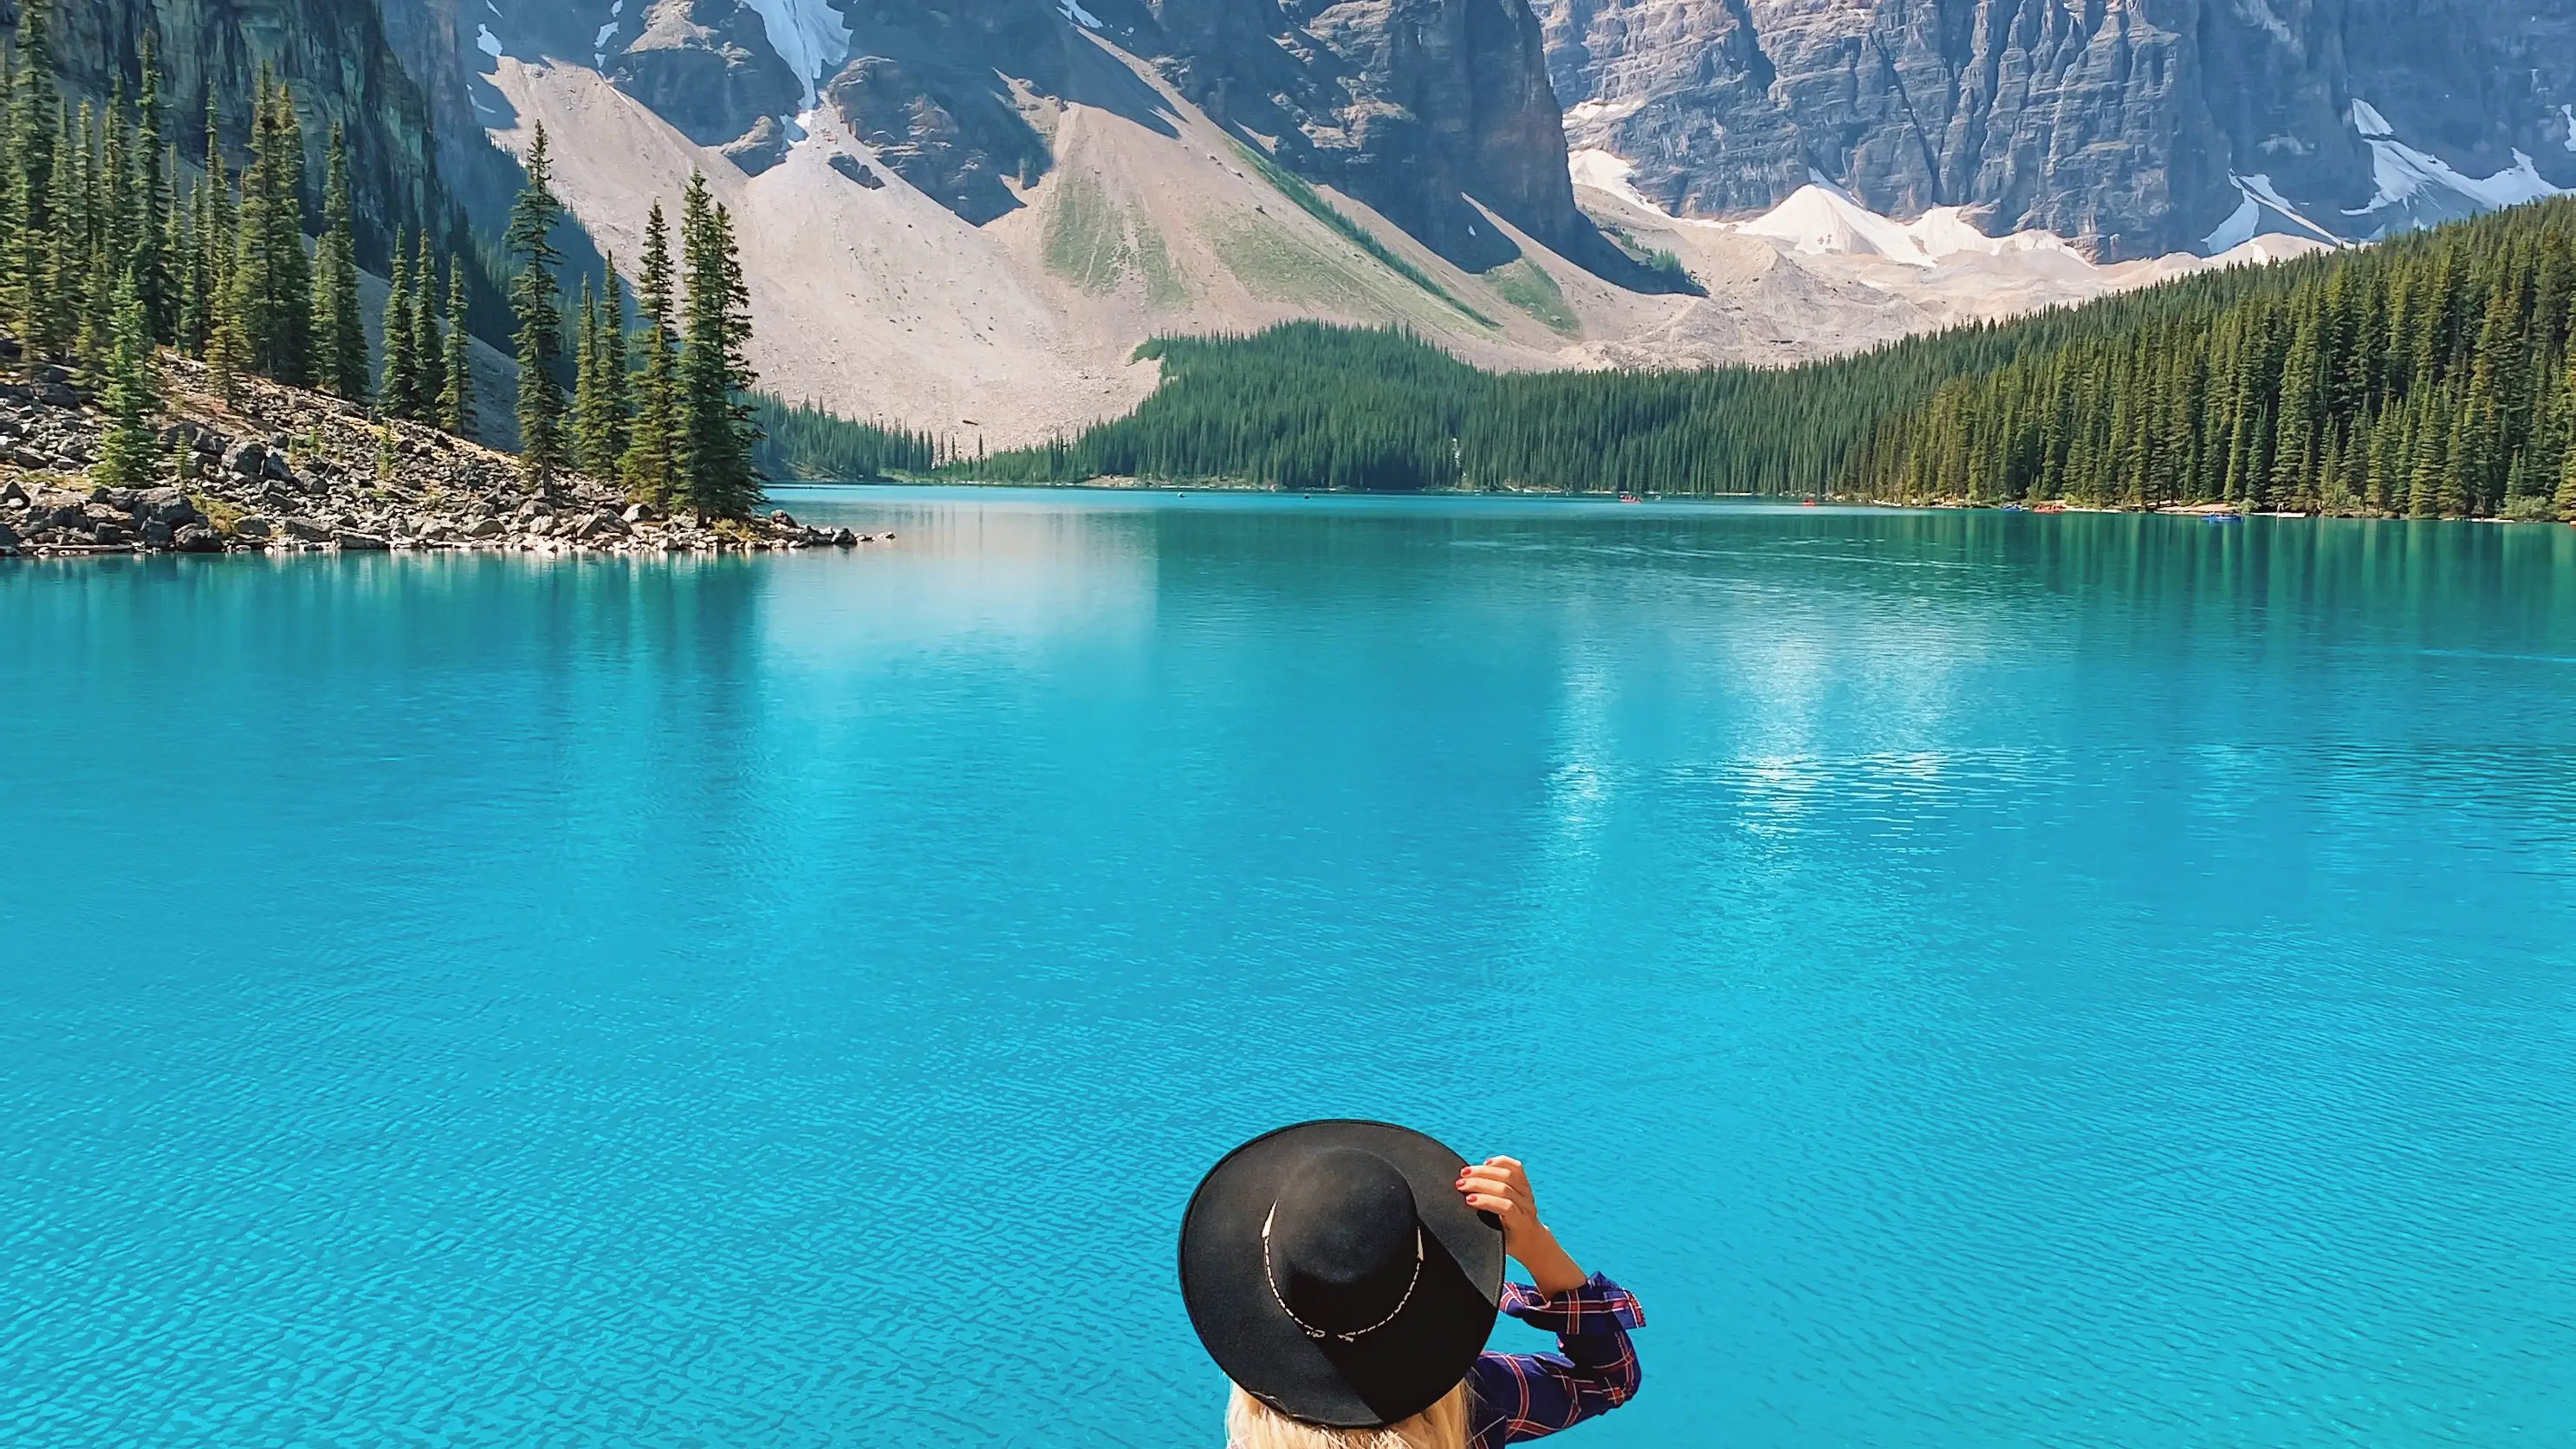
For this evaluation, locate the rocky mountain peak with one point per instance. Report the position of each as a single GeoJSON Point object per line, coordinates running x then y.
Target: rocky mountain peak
{"type": "Point", "coordinates": [2132, 126]}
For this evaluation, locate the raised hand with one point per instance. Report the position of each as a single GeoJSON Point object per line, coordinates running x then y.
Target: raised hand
{"type": "Point", "coordinates": [1498, 1185]}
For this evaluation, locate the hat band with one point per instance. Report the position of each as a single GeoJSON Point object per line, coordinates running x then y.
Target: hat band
{"type": "Point", "coordinates": [1270, 1280]}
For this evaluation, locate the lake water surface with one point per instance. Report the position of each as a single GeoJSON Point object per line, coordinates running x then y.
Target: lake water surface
{"type": "Point", "coordinates": [1981, 979]}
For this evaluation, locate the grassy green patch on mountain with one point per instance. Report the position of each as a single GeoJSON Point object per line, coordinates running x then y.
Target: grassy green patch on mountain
{"type": "Point", "coordinates": [1313, 204]}
{"type": "Point", "coordinates": [1086, 238]}
{"type": "Point", "coordinates": [1526, 285]}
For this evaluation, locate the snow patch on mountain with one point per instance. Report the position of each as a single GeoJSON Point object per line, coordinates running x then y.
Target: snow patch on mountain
{"type": "Point", "coordinates": [1822, 219]}
{"type": "Point", "coordinates": [486, 42]}
{"type": "Point", "coordinates": [2237, 230]}
{"type": "Point", "coordinates": [1604, 171]}
{"type": "Point", "coordinates": [2413, 188]}
{"type": "Point", "coordinates": [1073, 11]}
{"type": "Point", "coordinates": [809, 35]}
{"type": "Point", "coordinates": [2263, 210]}
{"type": "Point", "coordinates": [2569, 111]}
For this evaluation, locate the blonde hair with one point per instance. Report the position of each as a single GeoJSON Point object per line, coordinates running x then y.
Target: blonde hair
{"type": "Point", "coordinates": [1252, 1424]}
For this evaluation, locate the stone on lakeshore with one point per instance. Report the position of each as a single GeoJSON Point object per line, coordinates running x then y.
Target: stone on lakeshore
{"type": "Point", "coordinates": [844, 537]}
{"type": "Point", "coordinates": [483, 528]}
{"type": "Point", "coordinates": [638, 513]}
{"type": "Point", "coordinates": [156, 533]}
{"type": "Point", "coordinates": [197, 538]}
{"type": "Point", "coordinates": [9, 537]}
{"type": "Point", "coordinates": [253, 527]}
{"type": "Point", "coordinates": [352, 542]}
{"type": "Point", "coordinates": [11, 493]}
{"type": "Point", "coordinates": [599, 525]}
{"type": "Point", "coordinates": [309, 530]}
{"type": "Point", "coordinates": [167, 505]}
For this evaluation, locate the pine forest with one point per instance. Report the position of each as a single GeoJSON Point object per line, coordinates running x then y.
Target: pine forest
{"type": "Point", "coordinates": [113, 245]}
{"type": "Point", "coordinates": [2429, 375]}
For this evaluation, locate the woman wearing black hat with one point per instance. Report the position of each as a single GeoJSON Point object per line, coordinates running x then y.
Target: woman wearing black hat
{"type": "Point", "coordinates": [1345, 1276]}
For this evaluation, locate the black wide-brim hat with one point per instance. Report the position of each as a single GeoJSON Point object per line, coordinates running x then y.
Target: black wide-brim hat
{"type": "Point", "coordinates": [1398, 1296]}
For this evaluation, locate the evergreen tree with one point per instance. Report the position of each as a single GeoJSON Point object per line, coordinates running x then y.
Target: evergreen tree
{"type": "Point", "coordinates": [716, 423]}
{"type": "Point", "coordinates": [340, 338]}
{"type": "Point", "coordinates": [30, 247]}
{"type": "Point", "coordinates": [210, 256]}
{"type": "Point", "coordinates": [599, 395]}
{"type": "Point", "coordinates": [55, 308]}
{"type": "Point", "coordinates": [291, 356]}
{"type": "Point", "coordinates": [543, 450]}
{"type": "Point", "coordinates": [271, 287]}
{"type": "Point", "coordinates": [90, 266]}
{"type": "Point", "coordinates": [456, 391]}
{"type": "Point", "coordinates": [9, 161]}
{"type": "Point", "coordinates": [252, 297]}
{"type": "Point", "coordinates": [649, 469]}
{"type": "Point", "coordinates": [401, 367]}
{"type": "Point", "coordinates": [154, 282]}
{"type": "Point", "coordinates": [587, 359]}
{"type": "Point", "coordinates": [616, 377]}
{"type": "Point", "coordinates": [2566, 498]}
{"type": "Point", "coordinates": [132, 395]}
{"type": "Point", "coordinates": [428, 350]}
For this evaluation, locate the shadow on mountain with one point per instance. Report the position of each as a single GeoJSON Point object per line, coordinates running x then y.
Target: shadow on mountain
{"type": "Point", "coordinates": [962, 102]}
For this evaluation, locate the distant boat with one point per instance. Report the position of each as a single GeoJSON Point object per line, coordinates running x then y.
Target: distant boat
{"type": "Point", "coordinates": [2224, 517]}
{"type": "Point", "coordinates": [1630, 498]}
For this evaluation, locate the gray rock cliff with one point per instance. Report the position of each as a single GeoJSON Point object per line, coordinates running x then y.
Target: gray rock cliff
{"type": "Point", "coordinates": [2117, 122]}
{"type": "Point", "coordinates": [707, 67]}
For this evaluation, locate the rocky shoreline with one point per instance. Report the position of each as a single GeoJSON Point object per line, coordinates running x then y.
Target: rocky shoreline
{"type": "Point", "coordinates": [279, 470]}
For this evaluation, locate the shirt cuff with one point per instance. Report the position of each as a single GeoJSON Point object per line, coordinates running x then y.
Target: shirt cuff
{"type": "Point", "coordinates": [1594, 1306]}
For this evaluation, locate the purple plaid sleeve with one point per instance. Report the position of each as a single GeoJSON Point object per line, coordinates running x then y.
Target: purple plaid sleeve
{"type": "Point", "coordinates": [1519, 1396]}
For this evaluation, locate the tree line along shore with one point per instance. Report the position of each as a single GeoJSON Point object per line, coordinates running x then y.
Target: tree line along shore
{"type": "Point", "coordinates": [2425, 376]}
{"type": "Point", "coordinates": [146, 309]}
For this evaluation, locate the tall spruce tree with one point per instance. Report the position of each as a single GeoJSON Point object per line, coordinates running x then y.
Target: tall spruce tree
{"type": "Point", "coordinates": [253, 297]}
{"type": "Point", "coordinates": [543, 450]}
{"type": "Point", "coordinates": [617, 399]}
{"type": "Point", "coordinates": [31, 244]}
{"type": "Point", "coordinates": [599, 396]}
{"type": "Point", "coordinates": [8, 171]}
{"type": "Point", "coordinates": [153, 280]}
{"type": "Point", "coordinates": [587, 359]}
{"type": "Point", "coordinates": [394, 390]}
{"type": "Point", "coordinates": [428, 350]}
{"type": "Point", "coordinates": [716, 472]}
{"type": "Point", "coordinates": [54, 325]}
{"type": "Point", "coordinates": [339, 336]}
{"type": "Point", "coordinates": [291, 360]}
{"type": "Point", "coordinates": [649, 470]}
{"type": "Point", "coordinates": [127, 454]}
{"type": "Point", "coordinates": [456, 390]}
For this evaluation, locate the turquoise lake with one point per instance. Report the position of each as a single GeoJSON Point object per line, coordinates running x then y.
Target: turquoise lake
{"type": "Point", "coordinates": [1981, 979]}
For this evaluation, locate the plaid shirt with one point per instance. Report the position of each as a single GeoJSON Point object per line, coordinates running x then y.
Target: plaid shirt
{"type": "Point", "coordinates": [1517, 1396]}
